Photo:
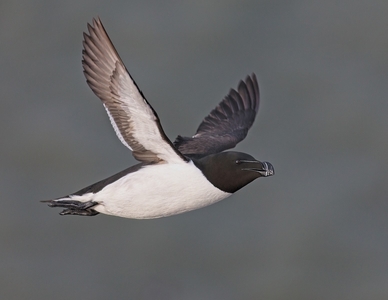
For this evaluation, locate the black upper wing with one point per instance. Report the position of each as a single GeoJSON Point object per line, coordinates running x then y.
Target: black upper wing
{"type": "Point", "coordinates": [227, 124]}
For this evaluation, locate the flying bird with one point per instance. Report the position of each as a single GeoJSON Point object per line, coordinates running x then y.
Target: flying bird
{"type": "Point", "coordinates": [171, 178]}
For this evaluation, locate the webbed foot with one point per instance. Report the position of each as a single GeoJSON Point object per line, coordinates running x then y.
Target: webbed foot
{"type": "Point", "coordinates": [75, 208]}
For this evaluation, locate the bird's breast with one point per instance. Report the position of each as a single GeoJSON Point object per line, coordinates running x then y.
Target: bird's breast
{"type": "Point", "coordinates": [158, 191]}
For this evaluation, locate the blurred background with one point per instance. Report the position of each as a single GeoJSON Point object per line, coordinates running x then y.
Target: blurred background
{"type": "Point", "coordinates": [318, 229]}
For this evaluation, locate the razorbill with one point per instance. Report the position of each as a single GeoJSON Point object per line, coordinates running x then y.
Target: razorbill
{"type": "Point", "coordinates": [171, 178]}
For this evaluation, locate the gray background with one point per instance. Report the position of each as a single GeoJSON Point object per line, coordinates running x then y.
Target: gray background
{"type": "Point", "coordinates": [318, 229]}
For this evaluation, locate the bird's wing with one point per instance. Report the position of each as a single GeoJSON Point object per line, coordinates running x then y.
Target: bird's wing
{"type": "Point", "coordinates": [227, 124]}
{"type": "Point", "coordinates": [134, 120]}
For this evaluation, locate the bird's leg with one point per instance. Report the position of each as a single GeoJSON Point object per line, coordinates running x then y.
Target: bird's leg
{"type": "Point", "coordinates": [79, 212]}
{"type": "Point", "coordinates": [74, 207]}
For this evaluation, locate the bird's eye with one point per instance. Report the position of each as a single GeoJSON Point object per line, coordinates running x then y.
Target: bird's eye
{"type": "Point", "coordinates": [238, 162]}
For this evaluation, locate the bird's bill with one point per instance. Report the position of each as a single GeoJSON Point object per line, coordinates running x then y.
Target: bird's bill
{"type": "Point", "coordinates": [264, 168]}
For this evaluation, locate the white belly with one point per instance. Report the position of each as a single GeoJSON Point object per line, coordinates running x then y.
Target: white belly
{"type": "Point", "coordinates": [158, 191]}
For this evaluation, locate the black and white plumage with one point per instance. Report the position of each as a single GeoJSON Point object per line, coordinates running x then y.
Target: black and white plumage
{"type": "Point", "coordinates": [171, 178]}
{"type": "Point", "coordinates": [136, 123]}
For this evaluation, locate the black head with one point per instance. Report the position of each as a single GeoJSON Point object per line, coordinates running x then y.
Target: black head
{"type": "Point", "coordinates": [230, 171]}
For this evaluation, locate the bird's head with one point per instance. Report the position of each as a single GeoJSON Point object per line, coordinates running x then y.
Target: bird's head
{"type": "Point", "coordinates": [230, 171]}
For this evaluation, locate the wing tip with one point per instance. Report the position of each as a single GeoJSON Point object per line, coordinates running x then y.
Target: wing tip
{"type": "Point", "coordinates": [251, 85]}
